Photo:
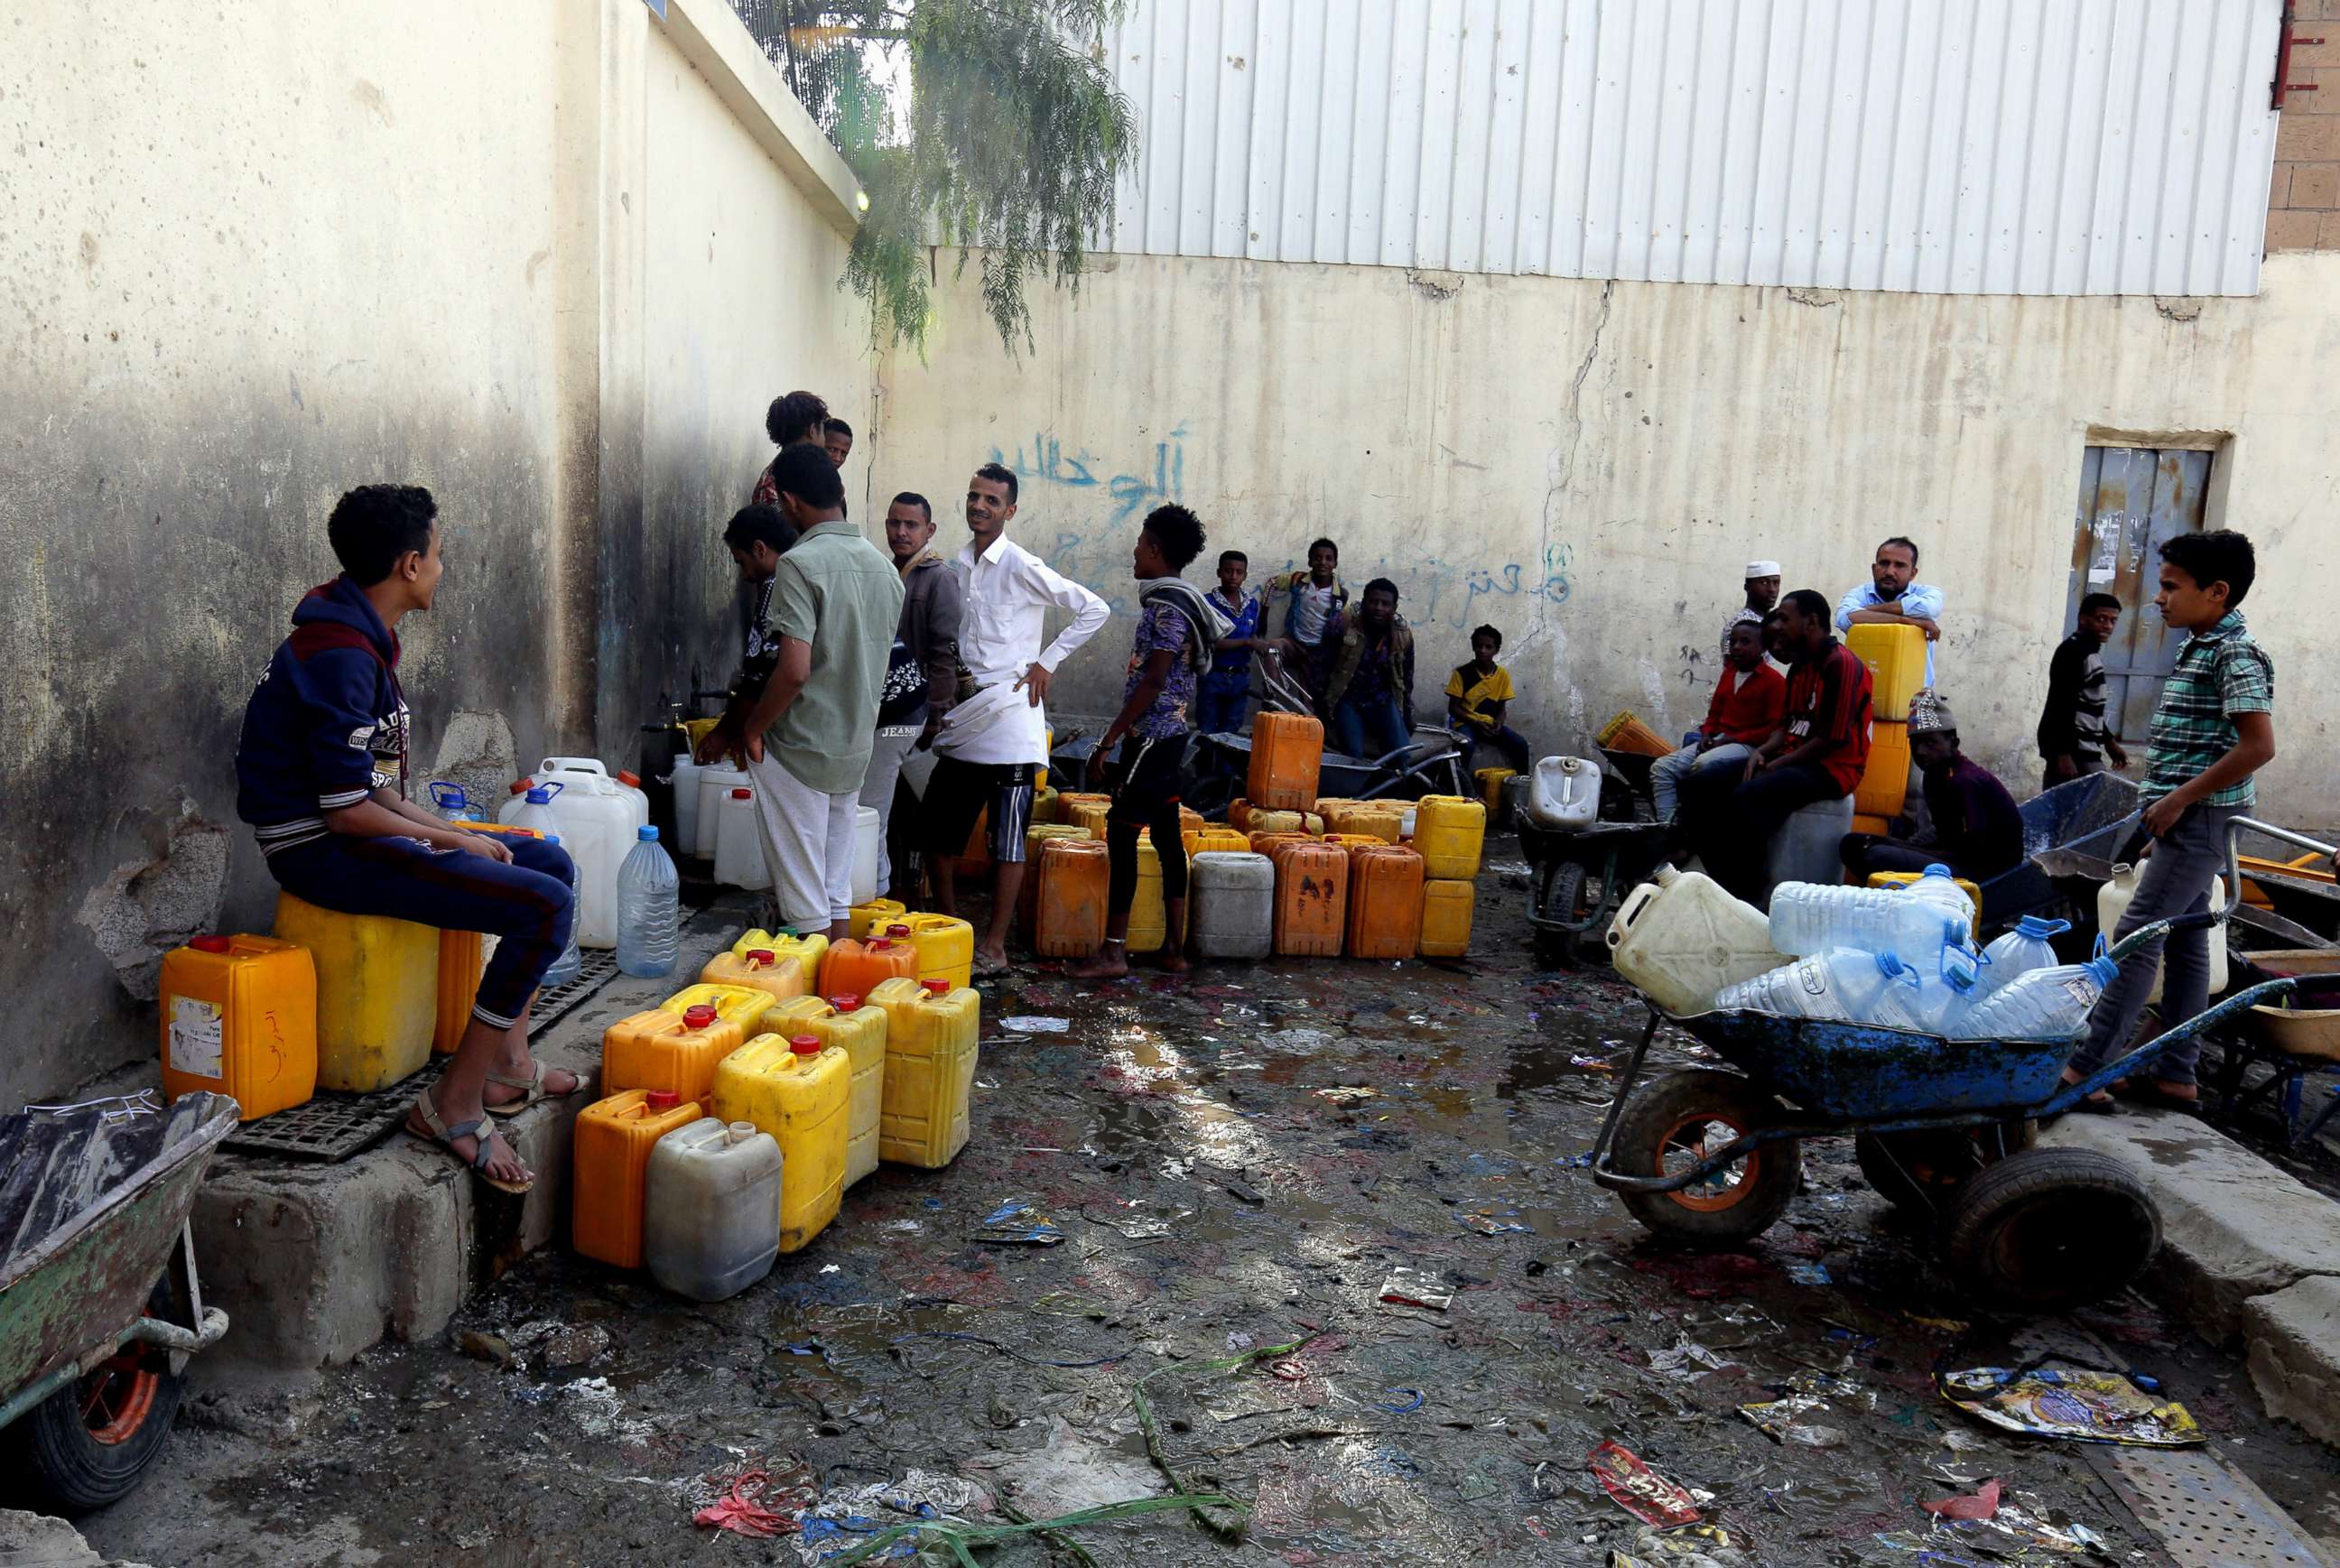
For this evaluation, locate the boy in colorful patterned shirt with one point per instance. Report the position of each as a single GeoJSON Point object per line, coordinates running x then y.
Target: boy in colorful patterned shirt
{"type": "Point", "coordinates": [2213, 729]}
{"type": "Point", "coordinates": [1177, 627]}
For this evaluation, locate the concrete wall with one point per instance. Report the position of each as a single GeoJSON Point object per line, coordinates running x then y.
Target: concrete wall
{"type": "Point", "coordinates": [255, 257]}
{"type": "Point", "coordinates": [1588, 466]}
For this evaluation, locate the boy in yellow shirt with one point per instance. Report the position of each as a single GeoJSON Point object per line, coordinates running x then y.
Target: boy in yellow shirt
{"type": "Point", "coordinates": [1477, 695]}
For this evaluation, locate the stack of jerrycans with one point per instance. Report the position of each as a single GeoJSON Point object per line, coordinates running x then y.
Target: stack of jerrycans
{"type": "Point", "coordinates": [860, 1033]}
{"type": "Point", "coordinates": [931, 1032]}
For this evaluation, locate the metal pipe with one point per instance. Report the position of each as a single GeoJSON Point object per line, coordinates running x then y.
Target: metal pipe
{"type": "Point", "coordinates": [171, 1336]}
{"type": "Point", "coordinates": [2235, 830]}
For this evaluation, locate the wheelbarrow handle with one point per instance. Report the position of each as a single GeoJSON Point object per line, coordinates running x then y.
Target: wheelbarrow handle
{"type": "Point", "coordinates": [2154, 932]}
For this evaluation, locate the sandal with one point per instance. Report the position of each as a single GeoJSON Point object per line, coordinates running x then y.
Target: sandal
{"type": "Point", "coordinates": [989, 968]}
{"type": "Point", "coordinates": [533, 1087]}
{"type": "Point", "coordinates": [481, 1133]}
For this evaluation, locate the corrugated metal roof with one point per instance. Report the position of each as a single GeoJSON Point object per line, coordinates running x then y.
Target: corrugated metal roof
{"type": "Point", "coordinates": [1942, 146]}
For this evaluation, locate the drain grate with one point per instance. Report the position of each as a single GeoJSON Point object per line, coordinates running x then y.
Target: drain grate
{"type": "Point", "coordinates": [334, 1127]}
{"type": "Point", "coordinates": [2208, 1514]}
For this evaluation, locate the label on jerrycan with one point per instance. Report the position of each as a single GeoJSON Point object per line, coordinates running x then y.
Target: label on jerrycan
{"type": "Point", "coordinates": [195, 1038]}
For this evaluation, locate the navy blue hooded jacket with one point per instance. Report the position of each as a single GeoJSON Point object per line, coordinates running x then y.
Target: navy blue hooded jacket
{"type": "Point", "coordinates": [327, 724]}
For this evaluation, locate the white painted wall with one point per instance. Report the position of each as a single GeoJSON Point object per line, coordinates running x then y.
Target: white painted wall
{"type": "Point", "coordinates": [1588, 466]}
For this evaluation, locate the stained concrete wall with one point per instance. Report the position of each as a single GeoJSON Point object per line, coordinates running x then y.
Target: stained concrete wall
{"type": "Point", "coordinates": [256, 255]}
{"type": "Point", "coordinates": [1588, 466]}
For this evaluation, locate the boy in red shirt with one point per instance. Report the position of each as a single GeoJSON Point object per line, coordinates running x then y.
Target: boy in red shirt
{"type": "Point", "coordinates": [1818, 754]}
{"type": "Point", "coordinates": [1745, 711]}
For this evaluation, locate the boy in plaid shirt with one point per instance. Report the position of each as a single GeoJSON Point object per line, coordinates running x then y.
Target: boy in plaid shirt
{"type": "Point", "coordinates": [2211, 729]}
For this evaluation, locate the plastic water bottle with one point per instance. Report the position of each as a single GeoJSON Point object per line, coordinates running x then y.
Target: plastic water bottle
{"type": "Point", "coordinates": [1946, 992]}
{"type": "Point", "coordinates": [2051, 1004]}
{"type": "Point", "coordinates": [2017, 953]}
{"type": "Point", "coordinates": [566, 967]}
{"type": "Point", "coordinates": [450, 801]}
{"type": "Point", "coordinates": [649, 894]}
{"type": "Point", "coordinates": [1841, 985]}
{"type": "Point", "coordinates": [537, 811]}
{"type": "Point", "coordinates": [1808, 917]}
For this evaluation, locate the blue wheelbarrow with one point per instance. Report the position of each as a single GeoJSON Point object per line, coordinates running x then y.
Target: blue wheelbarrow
{"type": "Point", "coordinates": [1710, 1158]}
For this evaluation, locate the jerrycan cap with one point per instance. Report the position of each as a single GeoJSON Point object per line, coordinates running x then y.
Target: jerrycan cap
{"type": "Point", "coordinates": [743, 794]}
{"type": "Point", "coordinates": [881, 944]}
{"type": "Point", "coordinates": [897, 931]}
{"type": "Point", "coordinates": [697, 1017]}
{"type": "Point", "coordinates": [208, 943]}
{"type": "Point", "coordinates": [936, 987]}
{"type": "Point", "coordinates": [761, 957]}
{"type": "Point", "coordinates": [846, 1002]}
{"type": "Point", "coordinates": [2103, 968]}
{"type": "Point", "coordinates": [805, 1046]}
{"type": "Point", "coordinates": [632, 780]}
{"type": "Point", "coordinates": [739, 1132]}
{"type": "Point", "coordinates": [539, 795]}
{"type": "Point", "coordinates": [521, 786]}
{"type": "Point", "coordinates": [661, 1100]}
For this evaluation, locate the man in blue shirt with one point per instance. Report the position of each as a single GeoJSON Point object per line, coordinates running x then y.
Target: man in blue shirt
{"type": "Point", "coordinates": [1225, 687]}
{"type": "Point", "coordinates": [1890, 599]}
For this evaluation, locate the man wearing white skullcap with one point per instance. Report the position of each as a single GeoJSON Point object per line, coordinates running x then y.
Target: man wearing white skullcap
{"type": "Point", "coordinates": [1762, 593]}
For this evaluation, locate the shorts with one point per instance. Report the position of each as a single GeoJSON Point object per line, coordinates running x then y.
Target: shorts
{"type": "Point", "coordinates": [957, 792]}
{"type": "Point", "coordinates": [1149, 781]}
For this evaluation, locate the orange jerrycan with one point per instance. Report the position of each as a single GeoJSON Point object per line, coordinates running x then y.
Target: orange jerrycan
{"type": "Point", "coordinates": [610, 1157]}
{"type": "Point", "coordinates": [1385, 903]}
{"type": "Point", "coordinates": [1446, 908]}
{"type": "Point", "coordinates": [1311, 897]}
{"type": "Point", "coordinates": [1066, 799]}
{"type": "Point", "coordinates": [945, 946]}
{"type": "Point", "coordinates": [1449, 833]}
{"type": "Point", "coordinates": [798, 1091]}
{"type": "Point", "coordinates": [1287, 750]}
{"type": "Point", "coordinates": [931, 1055]}
{"type": "Point", "coordinates": [1069, 899]}
{"type": "Point", "coordinates": [240, 1020]}
{"type": "Point", "coordinates": [460, 962]}
{"type": "Point", "coordinates": [1264, 843]}
{"type": "Point", "coordinates": [874, 916]}
{"type": "Point", "coordinates": [1330, 806]}
{"type": "Point", "coordinates": [1086, 813]}
{"type": "Point", "coordinates": [377, 992]}
{"type": "Point", "coordinates": [674, 1053]}
{"type": "Point", "coordinates": [1149, 925]}
{"type": "Point", "coordinates": [1884, 787]}
{"type": "Point", "coordinates": [757, 969]}
{"type": "Point", "coordinates": [1028, 897]}
{"type": "Point", "coordinates": [860, 1032]}
{"type": "Point", "coordinates": [854, 968]}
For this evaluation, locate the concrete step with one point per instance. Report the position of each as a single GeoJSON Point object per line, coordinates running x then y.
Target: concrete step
{"type": "Point", "coordinates": [314, 1262]}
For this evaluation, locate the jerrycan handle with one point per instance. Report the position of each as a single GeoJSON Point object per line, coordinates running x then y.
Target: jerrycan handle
{"type": "Point", "coordinates": [1635, 902]}
{"type": "Point", "coordinates": [572, 765]}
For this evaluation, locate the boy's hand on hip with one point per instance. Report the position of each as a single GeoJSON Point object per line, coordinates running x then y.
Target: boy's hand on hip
{"type": "Point", "coordinates": [1034, 679]}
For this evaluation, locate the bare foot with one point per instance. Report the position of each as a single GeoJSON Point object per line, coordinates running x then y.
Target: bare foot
{"type": "Point", "coordinates": [1171, 960]}
{"type": "Point", "coordinates": [1110, 962]}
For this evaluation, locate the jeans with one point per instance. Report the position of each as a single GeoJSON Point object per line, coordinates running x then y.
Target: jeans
{"type": "Point", "coordinates": [1220, 700]}
{"type": "Point", "coordinates": [1732, 823]}
{"type": "Point", "coordinates": [887, 751]}
{"type": "Point", "coordinates": [528, 904]}
{"type": "Point", "coordinates": [1370, 728]}
{"type": "Point", "coordinates": [1468, 738]}
{"type": "Point", "coordinates": [1669, 773]}
{"type": "Point", "coordinates": [2175, 881]}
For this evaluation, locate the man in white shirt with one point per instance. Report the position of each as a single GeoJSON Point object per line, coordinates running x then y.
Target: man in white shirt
{"type": "Point", "coordinates": [1890, 598]}
{"type": "Point", "coordinates": [991, 744]}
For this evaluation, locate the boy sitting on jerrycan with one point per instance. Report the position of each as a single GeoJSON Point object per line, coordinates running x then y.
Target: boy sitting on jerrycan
{"type": "Point", "coordinates": [321, 775]}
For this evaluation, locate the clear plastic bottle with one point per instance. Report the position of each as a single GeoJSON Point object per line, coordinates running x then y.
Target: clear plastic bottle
{"type": "Point", "coordinates": [2017, 953]}
{"type": "Point", "coordinates": [536, 810]}
{"type": "Point", "coordinates": [2049, 1004]}
{"type": "Point", "coordinates": [1946, 990]}
{"type": "Point", "coordinates": [566, 967]}
{"type": "Point", "coordinates": [649, 893]}
{"type": "Point", "coordinates": [1808, 917]}
{"type": "Point", "coordinates": [450, 801]}
{"type": "Point", "coordinates": [1842, 984]}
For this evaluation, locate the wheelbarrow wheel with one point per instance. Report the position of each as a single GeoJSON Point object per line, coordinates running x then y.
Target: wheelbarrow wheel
{"type": "Point", "coordinates": [1921, 1171]}
{"type": "Point", "coordinates": [88, 1444]}
{"type": "Point", "coordinates": [1561, 898]}
{"type": "Point", "coordinates": [2045, 1229]}
{"type": "Point", "coordinates": [1671, 1123]}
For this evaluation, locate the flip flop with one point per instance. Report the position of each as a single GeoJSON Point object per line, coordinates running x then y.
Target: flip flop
{"type": "Point", "coordinates": [989, 968]}
{"type": "Point", "coordinates": [483, 1133]}
{"type": "Point", "coordinates": [534, 1086]}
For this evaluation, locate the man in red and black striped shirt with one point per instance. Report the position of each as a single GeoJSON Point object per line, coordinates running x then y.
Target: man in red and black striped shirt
{"type": "Point", "coordinates": [1817, 754]}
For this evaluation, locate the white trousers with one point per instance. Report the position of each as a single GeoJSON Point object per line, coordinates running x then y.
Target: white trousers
{"type": "Point", "coordinates": [807, 843]}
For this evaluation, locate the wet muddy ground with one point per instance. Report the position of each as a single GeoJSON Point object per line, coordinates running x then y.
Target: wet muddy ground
{"type": "Point", "coordinates": [1237, 1161]}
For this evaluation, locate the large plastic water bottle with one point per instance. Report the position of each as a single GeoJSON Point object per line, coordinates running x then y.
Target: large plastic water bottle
{"type": "Point", "coordinates": [1841, 985]}
{"type": "Point", "coordinates": [2017, 953]}
{"type": "Point", "coordinates": [1808, 917]}
{"type": "Point", "coordinates": [649, 893]}
{"type": "Point", "coordinates": [1946, 991]}
{"type": "Point", "coordinates": [2049, 1004]}
{"type": "Point", "coordinates": [536, 811]}
{"type": "Point", "coordinates": [453, 805]}
{"type": "Point", "coordinates": [565, 967]}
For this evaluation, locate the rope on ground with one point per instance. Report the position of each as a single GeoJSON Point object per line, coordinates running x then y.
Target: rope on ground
{"type": "Point", "coordinates": [1227, 1530]}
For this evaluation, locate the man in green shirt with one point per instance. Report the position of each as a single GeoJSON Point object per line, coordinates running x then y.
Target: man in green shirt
{"type": "Point", "coordinates": [836, 599]}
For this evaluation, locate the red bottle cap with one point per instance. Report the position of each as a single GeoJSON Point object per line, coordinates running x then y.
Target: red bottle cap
{"type": "Point", "coordinates": [631, 779]}
{"type": "Point", "coordinates": [845, 1003]}
{"type": "Point", "coordinates": [936, 987]}
{"type": "Point", "coordinates": [761, 956]}
{"type": "Point", "coordinates": [661, 1099]}
{"type": "Point", "coordinates": [897, 931]}
{"type": "Point", "coordinates": [522, 786]}
{"type": "Point", "coordinates": [805, 1046]}
{"type": "Point", "coordinates": [208, 943]}
{"type": "Point", "coordinates": [880, 945]}
{"type": "Point", "coordinates": [743, 794]}
{"type": "Point", "coordinates": [697, 1017]}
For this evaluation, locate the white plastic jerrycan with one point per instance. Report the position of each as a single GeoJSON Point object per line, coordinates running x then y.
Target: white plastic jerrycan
{"type": "Point", "coordinates": [1681, 939]}
{"type": "Point", "coordinates": [1566, 792]}
{"type": "Point", "coordinates": [2113, 901]}
{"type": "Point", "coordinates": [711, 1208]}
{"type": "Point", "coordinates": [597, 828]}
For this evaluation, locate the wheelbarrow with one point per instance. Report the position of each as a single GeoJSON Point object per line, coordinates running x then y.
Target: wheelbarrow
{"type": "Point", "coordinates": [1580, 875]}
{"type": "Point", "coordinates": [100, 1306]}
{"type": "Point", "coordinates": [1709, 1159]}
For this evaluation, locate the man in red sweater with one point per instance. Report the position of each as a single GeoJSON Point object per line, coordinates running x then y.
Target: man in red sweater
{"type": "Point", "coordinates": [1818, 754]}
{"type": "Point", "coordinates": [1748, 702]}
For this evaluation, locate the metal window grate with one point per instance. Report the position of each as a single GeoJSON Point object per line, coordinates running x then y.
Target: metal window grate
{"type": "Point", "coordinates": [334, 1127]}
{"type": "Point", "coordinates": [2208, 1514]}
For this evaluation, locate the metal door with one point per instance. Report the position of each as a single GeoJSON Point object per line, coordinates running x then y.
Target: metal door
{"type": "Point", "coordinates": [2131, 500]}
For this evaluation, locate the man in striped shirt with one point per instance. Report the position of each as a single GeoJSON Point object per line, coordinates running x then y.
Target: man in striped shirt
{"type": "Point", "coordinates": [1817, 753]}
{"type": "Point", "coordinates": [2213, 729]}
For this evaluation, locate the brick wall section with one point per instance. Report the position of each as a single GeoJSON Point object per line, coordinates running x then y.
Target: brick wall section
{"type": "Point", "coordinates": [2304, 205]}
